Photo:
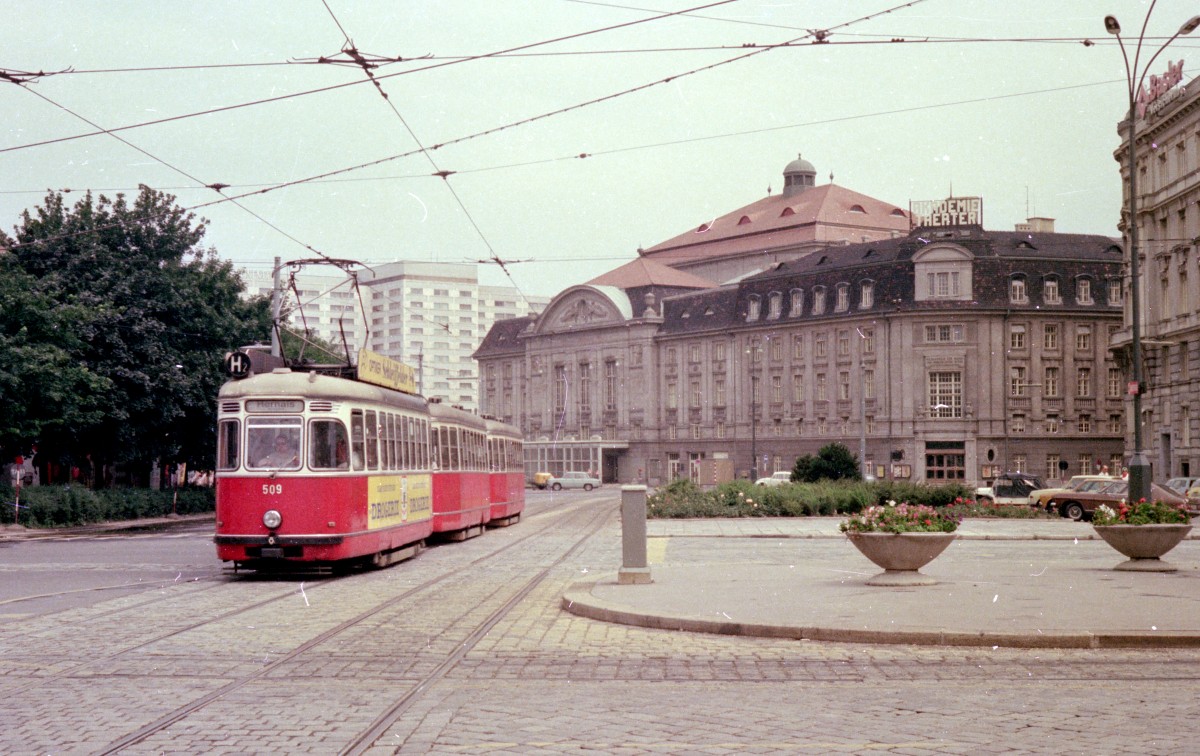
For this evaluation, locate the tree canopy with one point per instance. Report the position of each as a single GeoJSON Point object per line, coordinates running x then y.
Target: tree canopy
{"type": "Point", "coordinates": [833, 462]}
{"type": "Point", "coordinates": [113, 324]}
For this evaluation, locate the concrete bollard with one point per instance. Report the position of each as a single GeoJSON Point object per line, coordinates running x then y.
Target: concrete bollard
{"type": "Point", "coordinates": [634, 569]}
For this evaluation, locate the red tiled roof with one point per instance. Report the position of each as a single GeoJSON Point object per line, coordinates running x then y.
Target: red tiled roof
{"type": "Point", "coordinates": [643, 272]}
{"type": "Point", "coordinates": [827, 213]}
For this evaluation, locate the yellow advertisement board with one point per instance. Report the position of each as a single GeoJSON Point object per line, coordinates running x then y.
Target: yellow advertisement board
{"type": "Point", "coordinates": [398, 499]}
{"type": "Point", "coordinates": [384, 371]}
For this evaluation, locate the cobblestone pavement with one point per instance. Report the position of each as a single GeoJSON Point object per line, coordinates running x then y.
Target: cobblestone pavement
{"type": "Point", "coordinates": [542, 680]}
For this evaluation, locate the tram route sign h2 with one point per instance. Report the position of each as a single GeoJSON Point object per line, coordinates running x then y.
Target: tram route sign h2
{"type": "Point", "coordinates": [237, 364]}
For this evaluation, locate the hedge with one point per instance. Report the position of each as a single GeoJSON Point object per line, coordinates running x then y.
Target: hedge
{"type": "Point", "coordinates": [682, 498]}
{"type": "Point", "coordinates": [66, 506]}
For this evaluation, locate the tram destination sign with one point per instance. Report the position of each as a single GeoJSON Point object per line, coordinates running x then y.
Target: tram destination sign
{"type": "Point", "coordinates": [954, 211]}
{"type": "Point", "coordinates": [384, 371]}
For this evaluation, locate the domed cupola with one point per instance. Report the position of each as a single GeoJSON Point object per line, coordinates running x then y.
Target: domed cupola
{"type": "Point", "coordinates": [798, 176]}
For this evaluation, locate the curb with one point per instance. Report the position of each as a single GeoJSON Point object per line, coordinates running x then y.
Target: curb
{"type": "Point", "coordinates": [578, 600]}
{"type": "Point", "coordinates": [104, 527]}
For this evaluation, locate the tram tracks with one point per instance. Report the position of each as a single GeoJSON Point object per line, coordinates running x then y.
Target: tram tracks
{"type": "Point", "coordinates": [590, 518]}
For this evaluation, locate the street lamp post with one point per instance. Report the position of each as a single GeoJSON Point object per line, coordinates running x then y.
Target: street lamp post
{"type": "Point", "coordinates": [1139, 463]}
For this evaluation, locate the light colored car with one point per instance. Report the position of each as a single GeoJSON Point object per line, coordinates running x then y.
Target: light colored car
{"type": "Point", "coordinates": [574, 480]}
{"type": "Point", "coordinates": [1010, 488]}
{"type": "Point", "coordinates": [777, 478]}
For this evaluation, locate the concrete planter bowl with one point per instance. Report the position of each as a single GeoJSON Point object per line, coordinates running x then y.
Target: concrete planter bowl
{"type": "Point", "coordinates": [901, 555]}
{"type": "Point", "coordinates": [1144, 544]}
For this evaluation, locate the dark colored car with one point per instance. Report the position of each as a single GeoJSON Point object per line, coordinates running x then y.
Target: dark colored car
{"type": "Point", "coordinates": [1079, 505]}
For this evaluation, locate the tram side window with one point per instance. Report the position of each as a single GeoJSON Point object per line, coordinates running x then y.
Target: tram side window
{"type": "Point", "coordinates": [328, 448]}
{"type": "Point", "coordinates": [435, 447]}
{"type": "Point", "coordinates": [372, 440]}
{"type": "Point", "coordinates": [393, 457]}
{"type": "Point", "coordinates": [385, 440]}
{"type": "Point", "coordinates": [273, 443]}
{"type": "Point", "coordinates": [356, 438]}
{"type": "Point", "coordinates": [228, 432]}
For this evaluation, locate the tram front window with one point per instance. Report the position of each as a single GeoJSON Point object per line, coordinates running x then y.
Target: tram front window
{"type": "Point", "coordinates": [273, 443]}
{"type": "Point", "coordinates": [328, 445]}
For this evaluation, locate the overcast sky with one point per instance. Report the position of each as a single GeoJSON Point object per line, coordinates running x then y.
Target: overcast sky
{"type": "Point", "coordinates": [994, 99]}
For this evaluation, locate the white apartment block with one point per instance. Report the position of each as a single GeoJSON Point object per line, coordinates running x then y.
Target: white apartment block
{"type": "Point", "coordinates": [429, 315]}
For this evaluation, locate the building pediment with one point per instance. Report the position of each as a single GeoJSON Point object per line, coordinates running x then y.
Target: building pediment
{"type": "Point", "coordinates": [585, 307]}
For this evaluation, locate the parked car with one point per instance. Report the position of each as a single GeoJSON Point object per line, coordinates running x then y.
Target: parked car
{"type": "Point", "coordinates": [1079, 505]}
{"type": "Point", "coordinates": [777, 478]}
{"type": "Point", "coordinates": [1010, 488]}
{"type": "Point", "coordinates": [574, 480]}
{"type": "Point", "coordinates": [1076, 483]}
{"type": "Point", "coordinates": [1181, 486]}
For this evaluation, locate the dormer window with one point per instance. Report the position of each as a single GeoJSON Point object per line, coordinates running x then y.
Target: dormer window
{"type": "Point", "coordinates": [818, 306]}
{"type": "Point", "coordinates": [754, 309]}
{"type": "Point", "coordinates": [1017, 292]}
{"type": "Point", "coordinates": [786, 212]}
{"type": "Point", "coordinates": [1050, 291]}
{"type": "Point", "coordinates": [858, 209]}
{"type": "Point", "coordinates": [1083, 291]}
{"type": "Point", "coordinates": [843, 298]}
{"type": "Point", "coordinates": [775, 305]}
{"type": "Point", "coordinates": [943, 272]}
{"type": "Point", "coordinates": [743, 220]}
{"type": "Point", "coordinates": [867, 295]}
{"type": "Point", "coordinates": [797, 307]}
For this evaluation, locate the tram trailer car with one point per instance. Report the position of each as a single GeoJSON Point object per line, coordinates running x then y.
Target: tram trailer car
{"type": "Point", "coordinates": [317, 468]}
{"type": "Point", "coordinates": [507, 474]}
{"type": "Point", "coordinates": [461, 485]}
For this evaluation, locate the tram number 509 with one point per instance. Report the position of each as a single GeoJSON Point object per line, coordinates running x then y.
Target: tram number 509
{"type": "Point", "coordinates": [272, 489]}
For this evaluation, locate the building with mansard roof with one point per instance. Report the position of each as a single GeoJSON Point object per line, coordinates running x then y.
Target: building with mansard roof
{"type": "Point", "coordinates": [947, 353]}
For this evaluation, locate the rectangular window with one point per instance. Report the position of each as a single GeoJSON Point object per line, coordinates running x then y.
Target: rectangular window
{"type": "Point", "coordinates": [775, 305]}
{"type": "Point", "coordinates": [843, 385]}
{"type": "Point", "coordinates": [718, 350]}
{"type": "Point", "coordinates": [776, 389]}
{"type": "Point", "coordinates": [776, 349]}
{"type": "Point", "coordinates": [945, 394]}
{"type": "Point", "coordinates": [1084, 291]}
{"type": "Point", "coordinates": [718, 392]}
{"type": "Point", "coordinates": [228, 436]}
{"type": "Point", "coordinates": [797, 388]}
{"type": "Point", "coordinates": [1114, 383]}
{"type": "Point", "coordinates": [867, 300]}
{"type": "Point", "coordinates": [868, 340]}
{"type": "Point", "coordinates": [1050, 382]}
{"type": "Point", "coordinates": [1018, 464]}
{"type": "Point", "coordinates": [820, 346]}
{"type": "Point", "coordinates": [1114, 291]}
{"type": "Point", "coordinates": [694, 394]}
{"type": "Point", "coordinates": [1114, 423]}
{"type": "Point", "coordinates": [1017, 381]}
{"type": "Point", "coordinates": [944, 333]}
{"type": "Point", "coordinates": [372, 427]}
{"type": "Point", "coordinates": [610, 384]}
{"type": "Point", "coordinates": [1016, 337]}
{"type": "Point", "coordinates": [843, 297]}
{"type": "Point", "coordinates": [797, 302]}
{"type": "Point", "coordinates": [1085, 464]}
{"type": "Point", "coordinates": [843, 343]}
{"type": "Point", "coordinates": [1083, 338]}
{"type": "Point", "coordinates": [1085, 423]}
{"type": "Point", "coordinates": [945, 460]}
{"type": "Point", "coordinates": [693, 353]}
{"type": "Point", "coordinates": [560, 390]}
{"type": "Point", "coordinates": [868, 384]}
{"type": "Point", "coordinates": [1083, 382]}
{"type": "Point", "coordinates": [1053, 423]}
{"type": "Point", "coordinates": [720, 429]}
{"type": "Point", "coordinates": [1052, 470]}
{"type": "Point", "coordinates": [820, 387]}
{"type": "Point", "coordinates": [1017, 424]}
{"type": "Point", "coordinates": [1050, 336]}
{"type": "Point", "coordinates": [585, 386]}
{"type": "Point", "coordinates": [818, 301]}
{"type": "Point", "coordinates": [672, 395]}
{"type": "Point", "coordinates": [797, 346]}
{"type": "Point", "coordinates": [1185, 426]}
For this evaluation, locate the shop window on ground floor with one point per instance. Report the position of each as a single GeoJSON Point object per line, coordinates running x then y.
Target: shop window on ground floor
{"type": "Point", "coordinates": [945, 460]}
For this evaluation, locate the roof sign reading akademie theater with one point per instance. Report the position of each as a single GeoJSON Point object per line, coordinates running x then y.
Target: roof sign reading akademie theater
{"type": "Point", "coordinates": [954, 211]}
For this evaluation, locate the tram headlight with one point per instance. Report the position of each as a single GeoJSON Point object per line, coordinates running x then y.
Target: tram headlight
{"type": "Point", "coordinates": [272, 518]}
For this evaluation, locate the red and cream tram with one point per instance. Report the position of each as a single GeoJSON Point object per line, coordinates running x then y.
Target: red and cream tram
{"type": "Point", "coordinates": [312, 467]}
{"type": "Point", "coordinates": [506, 465]}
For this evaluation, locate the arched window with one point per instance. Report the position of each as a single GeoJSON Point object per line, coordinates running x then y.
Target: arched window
{"type": "Point", "coordinates": [754, 309]}
{"type": "Point", "coordinates": [797, 307]}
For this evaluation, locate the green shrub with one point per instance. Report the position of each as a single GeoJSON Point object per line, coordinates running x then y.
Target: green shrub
{"type": "Point", "coordinates": [66, 506]}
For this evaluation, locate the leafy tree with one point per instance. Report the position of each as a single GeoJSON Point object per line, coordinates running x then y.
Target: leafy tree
{"type": "Point", "coordinates": [122, 320]}
{"type": "Point", "coordinates": [832, 462]}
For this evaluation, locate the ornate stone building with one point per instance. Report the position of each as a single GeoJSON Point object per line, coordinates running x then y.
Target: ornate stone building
{"type": "Point", "coordinates": [944, 353]}
{"type": "Point", "coordinates": [1168, 182]}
